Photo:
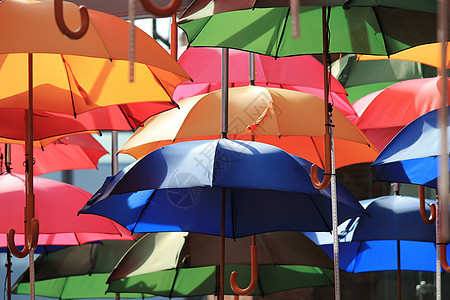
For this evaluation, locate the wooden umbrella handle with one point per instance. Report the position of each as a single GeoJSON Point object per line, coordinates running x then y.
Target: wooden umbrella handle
{"type": "Point", "coordinates": [164, 11]}
{"type": "Point", "coordinates": [31, 240]}
{"type": "Point", "coordinates": [254, 273]}
{"type": "Point", "coordinates": [81, 31]}
{"type": "Point", "coordinates": [443, 254]}
{"type": "Point", "coordinates": [314, 168]}
{"type": "Point", "coordinates": [423, 212]}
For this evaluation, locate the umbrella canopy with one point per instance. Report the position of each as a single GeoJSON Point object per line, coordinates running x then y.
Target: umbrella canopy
{"type": "Point", "coordinates": [300, 73]}
{"type": "Point", "coordinates": [79, 151]}
{"type": "Point", "coordinates": [412, 156]}
{"type": "Point", "coordinates": [360, 78]}
{"type": "Point", "coordinates": [186, 181]}
{"type": "Point", "coordinates": [76, 272]}
{"type": "Point", "coordinates": [183, 264]}
{"type": "Point", "coordinates": [386, 112]}
{"type": "Point", "coordinates": [56, 207]}
{"type": "Point", "coordinates": [264, 30]}
{"type": "Point", "coordinates": [74, 76]}
{"type": "Point", "coordinates": [369, 244]}
{"type": "Point", "coordinates": [288, 119]}
{"type": "Point", "coordinates": [429, 54]}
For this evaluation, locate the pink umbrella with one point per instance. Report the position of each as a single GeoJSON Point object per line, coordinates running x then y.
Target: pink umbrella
{"type": "Point", "coordinates": [78, 151]}
{"type": "Point", "coordinates": [384, 113]}
{"type": "Point", "coordinates": [57, 205]}
{"type": "Point", "coordinates": [301, 73]}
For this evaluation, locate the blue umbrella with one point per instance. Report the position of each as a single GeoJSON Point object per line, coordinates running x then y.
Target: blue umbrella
{"type": "Point", "coordinates": [179, 188]}
{"type": "Point", "coordinates": [223, 187]}
{"type": "Point", "coordinates": [392, 237]}
{"type": "Point", "coordinates": [412, 155]}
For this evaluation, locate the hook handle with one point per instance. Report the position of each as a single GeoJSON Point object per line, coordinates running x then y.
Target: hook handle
{"type": "Point", "coordinates": [443, 255]}
{"type": "Point", "coordinates": [254, 273]}
{"type": "Point", "coordinates": [31, 240]}
{"type": "Point", "coordinates": [164, 11]}
{"type": "Point", "coordinates": [81, 31]}
{"type": "Point", "coordinates": [314, 168]}
{"type": "Point", "coordinates": [423, 213]}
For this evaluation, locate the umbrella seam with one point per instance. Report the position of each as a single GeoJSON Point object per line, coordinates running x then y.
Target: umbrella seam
{"type": "Point", "coordinates": [386, 48]}
{"type": "Point", "coordinates": [70, 86]}
{"type": "Point", "coordinates": [101, 39]}
{"type": "Point", "coordinates": [163, 87]}
{"type": "Point", "coordinates": [319, 212]}
{"type": "Point", "coordinates": [142, 211]}
{"type": "Point", "coordinates": [282, 32]}
{"type": "Point", "coordinates": [317, 150]}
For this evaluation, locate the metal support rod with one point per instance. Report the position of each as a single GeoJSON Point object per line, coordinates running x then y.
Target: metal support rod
{"type": "Point", "coordinates": [132, 37]}
{"type": "Point", "coordinates": [174, 38]}
{"type": "Point", "coordinates": [114, 149]}
{"type": "Point", "coordinates": [8, 272]}
{"type": "Point", "coordinates": [222, 249]}
{"type": "Point", "coordinates": [225, 53]}
{"type": "Point", "coordinates": [251, 67]}
{"type": "Point", "coordinates": [438, 252]}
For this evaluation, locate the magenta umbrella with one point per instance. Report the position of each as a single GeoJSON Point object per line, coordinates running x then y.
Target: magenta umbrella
{"type": "Point", "coordinates": [301, 73]}
{"type": "Point", "coordinates": [384, 113]}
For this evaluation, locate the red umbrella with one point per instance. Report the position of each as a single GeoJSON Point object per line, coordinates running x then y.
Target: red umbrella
{"type": "Point", "coordinates": [78, 151]}
{"type": "Point", "coordinates": [383, 114]}
{"type": "Point", "coordinates": [57, 205]}
{"type": "Point", "coordinates": [300, 73]}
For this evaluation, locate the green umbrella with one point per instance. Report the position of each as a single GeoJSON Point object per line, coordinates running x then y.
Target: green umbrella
{"type": "Point", "coordinates": [374, 30]}
{"type": "Point", "coordinates": [77, 272]}
{"type": "Point", "coordinates": [180, 264]}
{"type": "Point", "coordinates": [360, 78]}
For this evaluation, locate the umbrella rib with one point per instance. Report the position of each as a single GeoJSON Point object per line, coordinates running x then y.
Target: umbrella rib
{"type": "Point", "coordinates": [162, 86]}
{"type": "Point", "coordinates": [317, 150]}
{"type": "Point", "coordinates": [282, 32]}
{"type": "Point", "coordinates": [101, 39]}
{"type": "Point", "coordinates": [173, 283]}
{"type": "Point", "coordinates": [127, 118]}
{"type": "Point", "coordinates": [386, 48]}
{"type": "Point", "coordinates": [70, 86]}
{"type": "Point", "coordinates": [320, 213]}
{"type": "Point", "coordinates": [142, 211]}
{"type": "Point", "coordinates": [357, 256]}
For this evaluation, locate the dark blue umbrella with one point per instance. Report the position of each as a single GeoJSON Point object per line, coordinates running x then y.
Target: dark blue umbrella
{"type": "Point", "coordinates": [412, 155]}
{"type": "Point", "coordinates": [392, 237]}
{"type": "Point", "coordinates": [179, 188]}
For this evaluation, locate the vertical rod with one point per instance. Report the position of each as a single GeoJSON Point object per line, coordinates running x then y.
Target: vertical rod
{"type": "Point", "coordinates": [8, 272]}
{"type": "Point", "coordinates": [117, 296]}
{"type": "Point", "coordinates": [222, 249]}
{"type": "Point", "coordinates": [399, 273]}
{"type": "Point", "coordinates": [29, 208]}
{"type": "Point", "coordinates": [438, 251]}
{"type": "Point", "coordinates": [132, 36]}
{"type": "Point", "coordinates": [251, 67]}
{"type": "Point", "coordinates": [443, 179]}
{"type": "Point", "coordinates": [174, 37]}
{"type": "Point", "coordinates": [225, 53]}
{"type": "Point", "coordinates": [8, 160]}
{"type": "Point", "coordinates": [114, 149]}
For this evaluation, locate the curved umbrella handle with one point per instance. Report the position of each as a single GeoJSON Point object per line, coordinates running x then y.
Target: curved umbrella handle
{"type": "Point", "coordinates": [31, 240]}
{"type": "Point", "coordinates": [254, 273]}
{"type": "Point", "coordinates": [165, 11]}
{"type": "Point", "coordinates": [423, 213]}
{"type": "Point", "coordinates": [81, 31]}
{"type": "Point", "coordinates": [443, 255]}
{"type": "Point", "coordinates": [314, 168]}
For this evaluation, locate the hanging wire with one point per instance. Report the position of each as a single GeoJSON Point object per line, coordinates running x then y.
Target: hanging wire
{"type": "Point", "coordinates": [132, 37]}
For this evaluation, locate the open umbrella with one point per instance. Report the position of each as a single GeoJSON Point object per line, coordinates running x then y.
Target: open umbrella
{"type": "Point", "coordinates": [197, 183]}
{"type": "Point", "coordinates": [288, 119]}
{"type": "Point", "coordinates": [181, 264]}
{"type": "Point", "coordinates": [392, 238]}
{"type": "Point", "coordinates": [76, 272]}
{"type": "Point", "coordinates": [360, 78]}
{"type": "Point", "coordinates": [78, 151]}
{"type": "Point", "coordinates": [300, 73]}
{"type": "Point", "coordinates": [44, 70]}
{"type": "Point", "coordinates": [386, 112]}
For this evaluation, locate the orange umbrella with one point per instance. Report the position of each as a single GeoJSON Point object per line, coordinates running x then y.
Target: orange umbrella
{"type": "Point", "coordinates": [284, 118]}
{"type": "Point", "coordinates": [44, 70]}
{"type": "Point", "coordinates": [429, 54]}
{"type": "Point", "coordinates": [78, 151]}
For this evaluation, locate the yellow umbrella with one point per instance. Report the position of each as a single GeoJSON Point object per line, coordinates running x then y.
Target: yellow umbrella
{"type": "Point", "coordinates": [284, 118]}
{"type": "Point", "coordinates": [429, 54]}
{"type": "Point", "coordinates": [44, 70]}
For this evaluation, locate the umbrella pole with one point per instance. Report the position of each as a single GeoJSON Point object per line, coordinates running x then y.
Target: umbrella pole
{"type": "Point", "coordinates": [438, 251]}
{"type": "Point", "coordinates": [225, 53]}
{"type": "Point", "coordinates": [399, 273]}
{"type": "Point", "coordinates": [114, 149]}
{"type": "Point", "coordinates": [222, 249]}
{"type": "Point", "coordinates": [174, 37]}
{"type": "Point", "coordinates": [8, 272]}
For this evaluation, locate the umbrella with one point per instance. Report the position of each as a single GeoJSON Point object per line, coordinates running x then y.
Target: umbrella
{"type": "Point", "coordinates": [50, 72]}
{"type": "Point", "coordinates": [79, 151]}
{"type": "Point", "coordinates": [284, 118]}
{"type": "Point", "coordinates": [196, 183]}
{"type": "Point", "coordinates": [381, 119]}
{"type": "Point", "coordinates": [300, 73]}
{"type": "Point", "coordinates": [360, 78]}
{"type": "Point", "coordinates": [76, 272]}
{"type": "Point", "coordinates": [181, 264]}
{"type": "Point", "coordinates": [392, 238]}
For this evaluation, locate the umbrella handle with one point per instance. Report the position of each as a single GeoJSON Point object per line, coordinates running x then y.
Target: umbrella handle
{"type": "Point", "coordinates": [423, 213]}
{"type": "Point", "coordinates": [81, 31]}
{"type": "Point", "coordinates": [31, 240]}
{"type": "Point", "coordinates": [443, 255]}
{"type": "Point", "coordinates": [315, 169]}
{"type": "Point", "coordinates": [164, 11]}
{"type": "Point", "coordinates": [254, 273]}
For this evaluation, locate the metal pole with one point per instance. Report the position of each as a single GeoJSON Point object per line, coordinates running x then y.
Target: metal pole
{"type": "Point", "coordinates": [251, 67]}
{"type": "Point", "coordinates": [225, 53]}
{"type": "Point", "coordinates": [438, 251]}
{"type": "Point", "coordinates": [8, 272]}
{"type": "Point", "coordinates": [114, 149]}
{"type": "Point", "coordinates": [222, 249]}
